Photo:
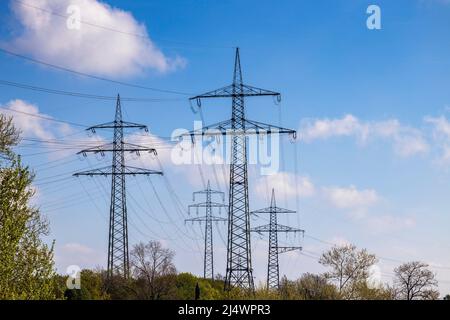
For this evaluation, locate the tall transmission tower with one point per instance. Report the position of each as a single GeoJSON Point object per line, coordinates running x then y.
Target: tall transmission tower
{"type": "Point", "coordinates": [118, 257]}
{"type": "Point", "coordinates": [273, 228]}
{"type": "Point", "coordinates": [209, 218]}
{"type": "Point", "coordinates": [239, 265]}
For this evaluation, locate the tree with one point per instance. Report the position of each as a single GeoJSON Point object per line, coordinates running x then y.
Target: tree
{"type": "Point", "coordinates": [151, 266]}
{"type": "Point", "coordinates": [92, 287]}
{"type": "Point", "coordinates": [26, 268]}
{"type": "Point", "coordinates": [9, 136]}
{"type": "Point", "coordinates": [316, 287]}
{"type": "Point", "coordinates": [349, 268]}
{"type": "Point", "coordinates": [414, 280]}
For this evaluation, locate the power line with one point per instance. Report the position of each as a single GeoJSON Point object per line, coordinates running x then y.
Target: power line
{"type": "Point", "coordinates": [15, 54]}
{"type": "Point", "coordinates": [44, 118]}
{"type": "Point", "coordinates": [126, 33]}
{"type": "Point", "coordinates": [80, 94]}
{"type": "Point", "coordinates": [209, 218]}
{"type": "Point", "coordinates": [239, 267]}
{"type": "Point", "coordinates": [380, 257]}
{"type": "Point", "coordinates": [118, 254]}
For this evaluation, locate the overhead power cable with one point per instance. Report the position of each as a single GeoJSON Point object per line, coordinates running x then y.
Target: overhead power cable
{"type": "Point", "coordinates": [126, 33]}
{"type": "Point", "coordinates": [80, 94]}
{"type": "Point", "coordinates": [15, 54]}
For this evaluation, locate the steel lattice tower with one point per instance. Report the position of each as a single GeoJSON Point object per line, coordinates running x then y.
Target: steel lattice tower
{"type": "Point", "coordinates": [239, 266]}
{"type": "Point", "coordinates": [118, 257]}
{"type": "Point", "coordinates": [209, 218]}
{"type": "Point", "coordinates": [273, 228]}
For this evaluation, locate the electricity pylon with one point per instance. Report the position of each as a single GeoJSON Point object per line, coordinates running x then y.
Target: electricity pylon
{"type": "Point", "coordinates": [273, 228]}
{"type": "Point", "coordinates": [239, 265]}
{"type": "Point", "coordinates": [118, 257]}
{"type": "Point", "coordinates": [209, 218]}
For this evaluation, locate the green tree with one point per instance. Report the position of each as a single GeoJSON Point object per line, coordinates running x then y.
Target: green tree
{"type": "Point", "coordinates": [92, 287]}
{"type": "Point", "coordinates": [9, 137]}
{"type": "Point", "coordinates": [316, 287]}
{"type": "Point", "coordinates": [26, 267]}
{"type": "Point", "coordinates": [185, 287]}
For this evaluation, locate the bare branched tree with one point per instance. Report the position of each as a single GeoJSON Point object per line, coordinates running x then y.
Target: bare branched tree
{"type": "Point", "coordinates": [415, 281]}
{"type": "Point", "coordinates": [349, 268]}
{"type": "Point", "coordinates": [151, 263]}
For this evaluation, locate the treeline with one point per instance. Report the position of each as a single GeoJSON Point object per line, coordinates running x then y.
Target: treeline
{"type": "Point", "coordinates": [154, 277]}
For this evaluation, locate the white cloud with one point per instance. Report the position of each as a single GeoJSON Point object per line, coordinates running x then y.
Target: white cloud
{"type": "Point", "coordinates": [285, 184]}
{"type": "Point", "coordinates": [77, 254]}
{"type": "Point", "coordinates": [327, 128]}
{"type": "Point", "coordinates": [24, 118]}
{"type": "Point", "coordinates": [441, 136]}
{"type": "Point", "coordinates": [34, 124]}
{"type": "Point", "coordinates": [350, 198]}
{"type": "Point", "coordinates": [89, 48]}
{"type": "Point", "coordinates": [407, 141]}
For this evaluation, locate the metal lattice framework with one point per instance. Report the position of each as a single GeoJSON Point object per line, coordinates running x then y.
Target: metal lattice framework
{"type": "Point", "coordinates": [209, 218]}
{"type": "Point", "coordinates": [239, 266]}
{"type": "Point", "coordinates": [118, 256]}
{"type": "Point", "coordinates": [273, 228]}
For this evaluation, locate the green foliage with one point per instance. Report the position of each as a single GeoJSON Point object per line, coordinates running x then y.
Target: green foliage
{"type": "Point", "coordinates": [186, 283]}
{"type": "Point", "coordinates": [9, 137]}
{"type": "Point", "coordinates": [308, 287]}
{"type": "Point", "coordinates": [92, 287]}
{"type": "Point", "coordinates": [26, 268]}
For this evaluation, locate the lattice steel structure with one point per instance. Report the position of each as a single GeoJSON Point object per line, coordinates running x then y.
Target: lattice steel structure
{"type": "Point", "coordinates": [209, 218]}
{"type": "Point", "coordinates": [273, 228]}
{"type": "Point", "coordinates": [118, 256]}
{"type": "Point", "coordinates": [239, 265]}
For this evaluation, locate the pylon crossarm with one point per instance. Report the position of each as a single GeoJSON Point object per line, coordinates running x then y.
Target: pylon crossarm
{"type": "Point", "coordinates": [288, 249]}
{"type": "Point", "coordinates": [208, 191]}
{"type": "Point", "coordinates": [282, 228]}
{"type": "Point", "coordinates": [278, 228]}
{"type": "Point", "coordinates": [126, 147]}
{"type": "Point", "coordinates": [204, 218]}
{"type": "Point", "coordinates": [231, 91]}
{"type": "Point", "coordinates": [107, 171]}
{"type": "Point", "coordinates": [114, 125]}
{"type": "Point", "coordinates": [260, 229]}
{"type": "Point", "coordinates": [217, 129]}
{"type": "Point", "coordinates": [273, 210]}
{"type": "Point", "coordinates": [264, 128]}
{"type": "Point", "coordinates": [225, 128]}
{"type": "Point", "coordinates": [135, 170]}
{"type": "Point", "coordinates": [205, 205]}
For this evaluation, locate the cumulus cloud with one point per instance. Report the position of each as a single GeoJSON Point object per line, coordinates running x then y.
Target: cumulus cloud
{"type": "Point", "coordinates": [89, 48]}
{"type": "Point", "coordinates": [441, 136]}
{"type": "Point", "coordinates": [350, 198]}
{"type": "Point", "coordinates": [28, 119]}
{"type": "Point", "coordinates": [407, 141]}
{"type": "Point", "coordinates": [286, 184]}
{"type": "Point", "coordinates": [77, 254]}
{"type": "Point", "coordinates": [179, 161]}
{"type": "Point", "coordinates": [33, 124]}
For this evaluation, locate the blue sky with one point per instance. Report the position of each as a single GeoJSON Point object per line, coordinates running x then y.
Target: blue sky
{"type": "Point", "coordinates": [371, 107]}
